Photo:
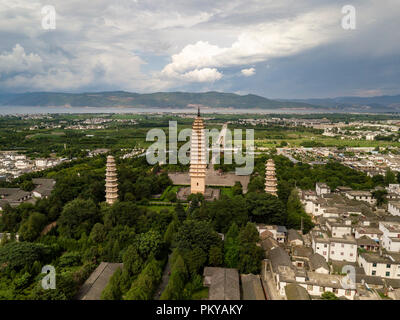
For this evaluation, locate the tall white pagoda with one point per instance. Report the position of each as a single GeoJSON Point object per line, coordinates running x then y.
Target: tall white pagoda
{"type": "Point", "coordinates": [198, 162]}
{"type": "Point", "coordinates": [270, 178]}
{"type": "Point", "coordinates": [111, 181]}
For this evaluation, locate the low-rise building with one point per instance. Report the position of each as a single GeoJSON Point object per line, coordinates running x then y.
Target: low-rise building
{"type": "Point", "coordinates": [43, 187]}
{"type": "Point", "coordinates": [223, 283]}
{"type": "Point", "coordinates": [391, 235]}
{"type": "Point", "coordinates": [374, 264]}
{"type": "Point", "coordinates": [365, 196]}
{"type": "Point", "coordinates": [279, 233]}
{"type": "Point", "coordinates": [321, 189]}
{"type": "Point", "coordinates": [338, 249]}
{"type": "Point", "coordinates": [370, 232]}
{"type": "Point", "coordinates": [366, 243]}
{"type": "Point", "coordinates": [394, 208]}
{"type": "Point", "coordinates": [294, 238]}
{"type": "Point", "coordinates": [318, 264]}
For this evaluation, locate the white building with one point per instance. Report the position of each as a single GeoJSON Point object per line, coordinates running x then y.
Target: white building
{"type": "Point", "coordinates": [365, 196]}
{"type": "Point", "coordinates": [386, 266]}
{"type": "Point", "coordinates": [373, 233]}
{"type": "Point", "coordinates": [394, 208]}
{"type": "Point", "coordinates": [321, 189]}
{"type": "Point", "coordinates": [391, 235]}
{"type": "Point", "coordinates": [343, 249]}
{"type": "Point", "coordinates": [338, 249]}
{"type": "Point", "coordinates": [337, 229]}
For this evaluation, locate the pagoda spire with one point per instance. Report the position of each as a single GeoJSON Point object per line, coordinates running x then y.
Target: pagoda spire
{"type": "Point", "coordinates": [111, 181]}
{"type": "Point", "coordinates": [270, 178]}
{"type": "Point", "coordinates": [198, 162]}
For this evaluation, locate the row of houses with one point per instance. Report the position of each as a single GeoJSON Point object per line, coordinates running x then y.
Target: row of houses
{"type": "Point", "coordinates": [15, 196]}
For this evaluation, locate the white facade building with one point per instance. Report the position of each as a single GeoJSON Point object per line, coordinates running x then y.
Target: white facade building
{"type": "Point", "coordinates": [386, 266]}
{"type": "Point", "coordinates": [394, 208]}
{"type": "Point", "coordinates": [338, 249]}
{"type": "Point", "coordinates": [373, 233]}
{"type": "Point", "coordinates": [391, 235]}
{"type": "Point", "coordinates": [321, 189]}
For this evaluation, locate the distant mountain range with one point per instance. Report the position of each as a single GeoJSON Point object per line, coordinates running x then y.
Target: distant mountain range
{"type": "Point", "coordinates": [378, 103]}
{"type": "Point", "coordinates": [206, 99]}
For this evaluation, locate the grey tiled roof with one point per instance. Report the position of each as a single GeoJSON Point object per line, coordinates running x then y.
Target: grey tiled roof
{"type": "Point", "coordinates": [223, 283]}
{"type": "Point", "coordinates": [318, 261]}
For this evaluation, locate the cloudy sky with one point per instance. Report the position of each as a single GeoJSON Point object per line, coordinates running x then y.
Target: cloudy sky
{"type": "Point", "coordinates": [274, 48]}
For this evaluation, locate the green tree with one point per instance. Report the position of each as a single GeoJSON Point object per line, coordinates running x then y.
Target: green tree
{"type": "Point", "coordinates": [98, 233]}
{"type": "Point", "coordinates": [195, 260]}
{"type": "Point", "coordinates": [390, 177]}
{"type": "Point", "coordinates": [171, 196]}
{"type": "Point", "coordinates": [27, 185]}
{"type": "Point", "coordinates": [149, 243]}
{"type": "Point", "coordinates": [180, 212]}
{"type": "Point", "coordinates": [237, 189]}
{"type": "Point", "coordinates": [113, 291]}
{"type": "Point", "coordinates": [327, 295]}
{"type": "Point", "coordinates": [215, 256]}
{"type": "Point", "coordinates": [77, 217]}
{"type": "Point", "coordinates": [32, 227]}
{"type": "Point", "coordinates": [380, 196]}
{"type": "Point", "coordinates": [194, 234]}
{"type": "Point", "coordinates": [296, 213]}
{"type": "Point", "coordinates": [265, 208]}
{"type": "Point", "coordinates": [133, 262]}
{"type": "Point", "coordinates": [250, 256]}
{"type": "Point", "coordinates": [231, 245]}
{"type": "Point", "coordinates": [249, 234]}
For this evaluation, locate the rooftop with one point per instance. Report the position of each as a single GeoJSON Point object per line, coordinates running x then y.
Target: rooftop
{"type": "Point", "coordinates": [251, 287]}
{"type": "Point", "coordinates": [223, 283]}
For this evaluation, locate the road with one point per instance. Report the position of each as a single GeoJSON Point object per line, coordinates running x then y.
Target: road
{"type": "Point", "coordinates": [164, 281]}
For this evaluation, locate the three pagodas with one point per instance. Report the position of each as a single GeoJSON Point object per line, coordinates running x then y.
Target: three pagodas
{"type": "Point", "coordinates": [198, 167]}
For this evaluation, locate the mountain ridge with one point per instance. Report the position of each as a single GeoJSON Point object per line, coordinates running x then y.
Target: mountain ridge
{"type": "Point", "coordinates": [213, 99]}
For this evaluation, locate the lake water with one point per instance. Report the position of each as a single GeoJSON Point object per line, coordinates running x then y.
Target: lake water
{"type": "Point", "coordinates": [19, 110]}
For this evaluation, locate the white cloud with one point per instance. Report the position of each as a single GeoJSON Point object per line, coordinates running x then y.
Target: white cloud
{"type": "Point", "coordinates": [259, 43]}
{"type": "Point", "coordinates": [203, 75]}
{"type": "Point", "coordinates": [248, 72]}
{"type": "Point", "coordinates": [18, 61]}
{"type": "Point", "coordinates": [158, 44]}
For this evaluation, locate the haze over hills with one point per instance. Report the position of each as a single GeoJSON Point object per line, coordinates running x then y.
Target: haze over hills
{"type": "Point", "coordinates": [208, 99]}
{"type": "Point", "coordinates": [381, 103]}
{"type": "Point", "coordinates": [151, 100]}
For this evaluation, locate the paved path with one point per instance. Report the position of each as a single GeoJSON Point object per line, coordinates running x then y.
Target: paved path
{"type": "Point", "coordinates": [164, 281]}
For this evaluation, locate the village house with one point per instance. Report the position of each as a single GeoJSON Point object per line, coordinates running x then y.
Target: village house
{"type": "Point", "coordinates": [372, 233]}
{"type": "Point", "coordinates": [391, 235]}
{"type": "Point", "coordinates": [14, 196]}
{"type": "Point", "coordinates": [365, 196]}
{"type": "Point", "coordinates": [366, 243]}
{"type": "Point", "coordinates": [374, 264]}
{"type": "Point", "coordinates": [321, 189]}
{"type": "Point", "coordinates": [223, 283]}
{"type": "Point", "coordinates": [279, 233]}
{"type": "Point", "coordinates": [318, 264]}
{"type": "Point", "coordinates": [339, 229]}
{"type": "Point", "coordinates": [337, 249]}
{"type": "Point", "coordinates": [294, 238]}
{"type": "Point", "coordinates": [394, 208]}
{"type": "Point", "coordinates": [43, 187]}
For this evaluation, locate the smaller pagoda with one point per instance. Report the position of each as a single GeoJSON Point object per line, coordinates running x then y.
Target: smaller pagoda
{"type": "Point", "coordinates": [270, 178]}
{"type": "Point", "coordinates": [111, 181]}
